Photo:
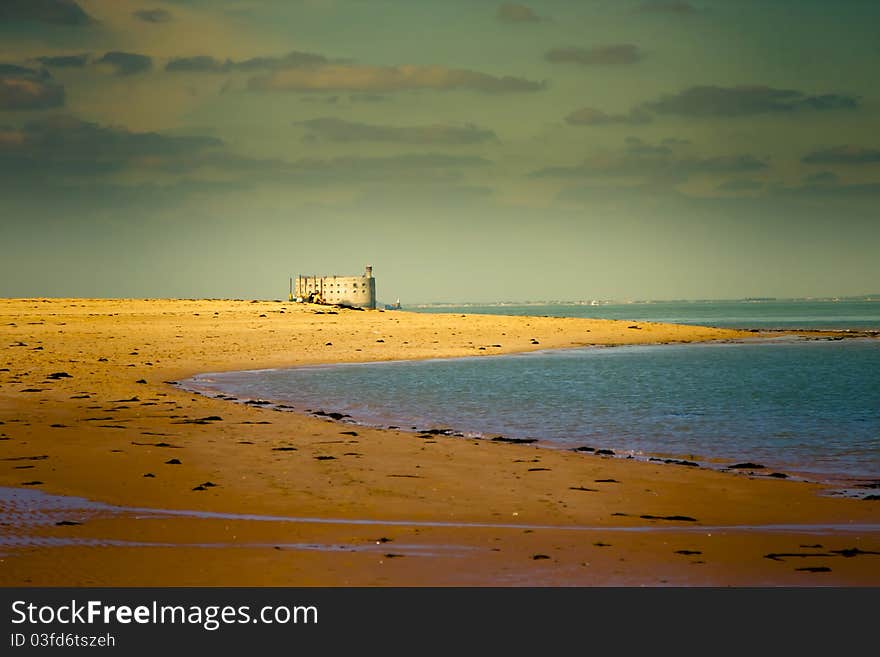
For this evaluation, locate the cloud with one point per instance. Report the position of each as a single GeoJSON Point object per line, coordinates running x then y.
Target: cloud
{"type": "Point", "coordinates": [386, 79]}
{"type": "Point", "coordinates": [126, 63]}
{"type": "Point", "coordinates": [69, 136]}
{"type": "Point", "coordinates": [661, 7]}
{"type": "Point", "coordinates": [208, 64]}
{"type": "Point", "coordinates": [329, 100]}
{"type": "Point", "coordinates": [305, 71]}
{"type": "Point", "coordinates": [415, 196]}
{"type": "Point", "coordinates": [830, 189]}
{"type": "Point", "coordinates": [636, 146]}
{"type": "Point", "coordinates": [339, 130]}
{"type": "Point", "coordinates": [592, 116]}
{"type": "Point", "coordinates": [414, 165]}
{"type": "Point", "coordinates": [615, 193]}
{"type": "Point", "coordinates": [24, 89]}
{"type": "Point", "coordinates": [430, 168]}
{"type": "Point", "coordinates": [720, 164]}
{"type": "Point", "coordinates": [822, 178]}
{"type": "Point", "coordinates": [713, 101]}
{"type": "Point", "coordinates": [843, 155]}
{"type": "Point", "coordinates": [434, 169]}
{"type": "Point", "coordinates": [367, 98]}
{"type": "Point", "coordinates": [511, 12]}
{"type": "Point", "coordinates": [17, 94]}
{"type": "Point", "coordinates": [613, 55]}
{"type": "Point", "coordinates": [658, 165]}
{"type": "Point", "coordinates": [740, 185]}
{"type": "Point", "coordinates": [22, 71]}
{"type": "Point", "coordinates": [65, 150]}
{"type": "Point", "coordinates": [66, 146]}
{"type": "Point", "coordinates": [55, 12]}
{"type": "Point", "coordinates": [830, 102]}
{"type": "Point", "coordinates": [198, 64]}
{"type": "Point", "coordinates": [153, 15]}
{"type": "Point", "coordinates": [293, 59]}
{"type": "Point", "coordinates": [65, 61]}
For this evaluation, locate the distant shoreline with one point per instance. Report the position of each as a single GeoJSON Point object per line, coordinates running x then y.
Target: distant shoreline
{"type": "Point", "coordinates": [867, 298]}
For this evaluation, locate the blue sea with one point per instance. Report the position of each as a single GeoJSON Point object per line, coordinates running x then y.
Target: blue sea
{"type": "Point", "coordinates": [805, 407]}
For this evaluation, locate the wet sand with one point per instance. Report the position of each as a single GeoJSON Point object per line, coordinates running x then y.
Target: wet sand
{"type": "Point", "coordinates": [88, 410]}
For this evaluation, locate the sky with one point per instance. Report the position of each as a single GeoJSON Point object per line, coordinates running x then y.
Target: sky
{"type": "Point", "coordinates": [468, 150]}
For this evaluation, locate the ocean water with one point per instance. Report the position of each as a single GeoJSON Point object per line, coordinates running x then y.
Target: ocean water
{"type": "Point", "coordinates": [805, 407]}
{"type": "Point", "coordinates": [782, 314]}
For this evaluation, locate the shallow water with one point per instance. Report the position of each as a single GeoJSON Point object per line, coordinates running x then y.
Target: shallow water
{"type": "Point", "coordinates": [18, 503]}
{"type": "Point", "coordinates": [806, 407]}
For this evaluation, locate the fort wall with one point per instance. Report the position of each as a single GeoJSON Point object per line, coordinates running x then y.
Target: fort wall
{"type": "Point", "coordinates": [357, 291]}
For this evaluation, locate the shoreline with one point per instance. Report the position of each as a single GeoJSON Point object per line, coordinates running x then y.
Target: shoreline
{"type": "Point", "coordinates": [833, 483]}
{"type": "Point", "coordinates": [111, 429]}
{"type": "Point", "coordinates": [848, 485]}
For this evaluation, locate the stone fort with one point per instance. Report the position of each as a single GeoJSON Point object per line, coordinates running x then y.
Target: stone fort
{"type": "Point", "coordinates": [359, 291]}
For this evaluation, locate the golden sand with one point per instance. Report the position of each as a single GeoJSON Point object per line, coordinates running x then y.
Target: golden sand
{"type": "Point", "coordinates": [468, 512]}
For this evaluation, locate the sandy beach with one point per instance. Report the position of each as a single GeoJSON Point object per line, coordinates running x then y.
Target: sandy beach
{"type": "Point", "coordinates": [211, 492]}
